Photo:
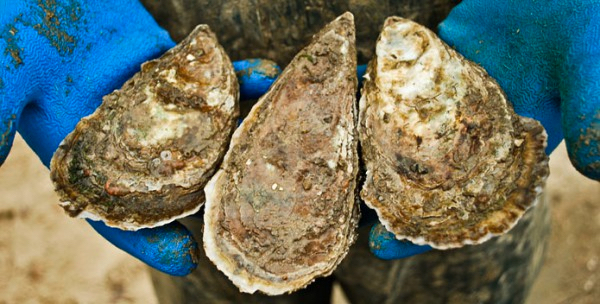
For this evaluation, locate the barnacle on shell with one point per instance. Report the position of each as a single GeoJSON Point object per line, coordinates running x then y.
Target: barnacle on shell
{"type": "Point", "coordinates": [282, 209]}
{"type": "Point", "coordinates": [448, 161]}
{"type": "Point", "coordinates": [143, 157]}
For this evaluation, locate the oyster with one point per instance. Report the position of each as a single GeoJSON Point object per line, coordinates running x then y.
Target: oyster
{"type": "Point", "coordinates": [143, 157]}
{"type": "Point", "coordinates": [448, 161]}
{"type": "Point", "coordinates": [282, 209]}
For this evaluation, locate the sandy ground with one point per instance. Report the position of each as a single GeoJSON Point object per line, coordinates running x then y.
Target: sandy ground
{"type": "Point", "coordinates": [47, 257]}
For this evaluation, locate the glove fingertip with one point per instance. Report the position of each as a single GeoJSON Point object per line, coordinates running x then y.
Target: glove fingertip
{"type": "Point", "coordinates": [361, 70]}
{"type": "Point", "coordinates": [583, 145]}
{"type": "Point", "coordinates": [7, 136]}
{"type": "Point", "coordinates": [384, 245]}
{"type": "Point", "coordinates": [170, 249]}
{"type": "Point", "coordinates": [176, 251]}
{"type": "Point", "coordinates": [255, 76]}
{"type": "Point", "coordinates": [580, 107]}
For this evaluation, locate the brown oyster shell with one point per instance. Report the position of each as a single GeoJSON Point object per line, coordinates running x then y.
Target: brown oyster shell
{"type": "Point", "coordinates": [282, 209]}
{"type": "Point", "coordinates": [448, 161]}
{"type": "Point", "coordinates": [143, 157]}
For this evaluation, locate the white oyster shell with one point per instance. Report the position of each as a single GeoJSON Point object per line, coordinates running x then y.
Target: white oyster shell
{"type": "Point", "coordinates": [448, 161]}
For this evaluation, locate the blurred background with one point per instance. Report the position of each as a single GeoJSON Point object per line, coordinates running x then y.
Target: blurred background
{"type": "Point", "coordinates": [47, 257]}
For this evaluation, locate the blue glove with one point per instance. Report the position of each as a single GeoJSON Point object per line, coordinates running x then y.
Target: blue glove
{"type": "Point", "coordinates": [546, 56]}
{"type": "Point", "coordinates": [57, 60]}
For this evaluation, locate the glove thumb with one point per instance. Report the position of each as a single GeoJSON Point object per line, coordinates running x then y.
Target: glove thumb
{"type": "Point", "coordinates": [8, 128]}
{"type": "Point", "coordinates": [384, 245]}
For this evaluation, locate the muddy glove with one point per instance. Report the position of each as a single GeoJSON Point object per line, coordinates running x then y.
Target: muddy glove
{"type": "Point", "coordinates": [546, 56]}
{"type": "Point", "coordinates": [57, 60]}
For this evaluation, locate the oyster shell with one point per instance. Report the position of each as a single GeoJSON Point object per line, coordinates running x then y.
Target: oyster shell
{"type": "Point", "coordinates": [448, 161]}
{"type": "Point", "coordinates": [143, 157]}
{"type": "Point", "coordinates": [282, 209]}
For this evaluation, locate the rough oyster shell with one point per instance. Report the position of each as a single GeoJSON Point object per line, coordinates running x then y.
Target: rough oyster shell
{"type": "Point", "coordinates": [143, 157]}
{"type": "Point", "coordinates": [448, 161]}
{"type": "Point", "coordinates": [282, 209]}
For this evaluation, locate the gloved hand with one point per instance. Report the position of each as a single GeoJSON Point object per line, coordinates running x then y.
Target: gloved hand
{"type": "Point", "coordinates": [546, 56]}
{"type": "Point", "coordinates": [57, 60]}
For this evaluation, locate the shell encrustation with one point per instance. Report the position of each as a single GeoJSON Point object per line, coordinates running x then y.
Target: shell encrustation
{"type": "Point", "coordinates": [144, 156]}
{"type": "Point", "coordinates": [448, 161]}
{"type": "Point", "coordinates": [282, 209]}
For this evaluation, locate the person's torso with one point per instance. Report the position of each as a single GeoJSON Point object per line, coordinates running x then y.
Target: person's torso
{"type": "Point", "coordinates": [277, 29]}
